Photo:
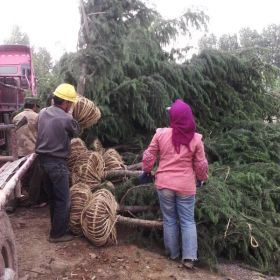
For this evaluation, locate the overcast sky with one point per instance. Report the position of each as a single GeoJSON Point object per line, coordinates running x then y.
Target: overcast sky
{"type": "Point", "coordinates": [54, 24]}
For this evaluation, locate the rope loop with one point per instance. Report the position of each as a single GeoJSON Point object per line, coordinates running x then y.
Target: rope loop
{"type": "Point", "coordinates": [254, 243]}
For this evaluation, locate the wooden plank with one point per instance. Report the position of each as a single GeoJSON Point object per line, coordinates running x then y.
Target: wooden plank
{"type": "Point", "coordinates": [8, 169]}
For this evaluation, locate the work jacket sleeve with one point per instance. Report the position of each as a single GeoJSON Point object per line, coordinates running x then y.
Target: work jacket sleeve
{"type": "Point", "coordinates": [73, 128]}
{"type": "Point", "coordinates": [200, 162]}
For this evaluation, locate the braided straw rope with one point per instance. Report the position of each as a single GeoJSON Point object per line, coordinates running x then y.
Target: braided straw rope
{"type": "Point", "coordinates": [97, 146]}
{"type": "Point", "coordinates": [107, 185]}
{"type": "Point", "coordinates": [98, 161]}
{"type": "Point", "coordinates": [78, 152]}
{"type": "Point", "coordinates": [113, 160]}
{"type": "Point", "coordinates": [89, 171]}
{"type": "Point", "coordinates": [99, 217]}
{"type": "Point", "coordinates": [86, 112]}
{"type": "Point", "coordinates": [75, 178]}
{"type": "Point", "coordinates": [80, 197]}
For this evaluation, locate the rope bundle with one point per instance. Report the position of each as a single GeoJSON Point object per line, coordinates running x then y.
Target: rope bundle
{"type": "Point", "coordinates": [98, 162]}
{"type": "Point", "coordinates": [86, 112]}
{"type": "Point", "coordinates": [80, 196]}
{"type": "Point", "coordinates": [98, 218]}
{"type": "Point", "coordinates": [107, 185]}
{"type": "Point", "coordinates": [97, 146]}
{"type": "Point", "coordinates": [113, 160]}
{"type": "Point", "coordinates": [89, 171]}
{"type": "Point", "coordinates": [78, 151]}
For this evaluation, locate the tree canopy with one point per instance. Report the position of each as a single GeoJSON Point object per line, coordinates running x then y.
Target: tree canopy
{"type": "Point", "coordinates": [17, 37]}
{"type": "Point", "coordinates": [132, 78]}
{"type": "Point", "coordinates": [265, 44]}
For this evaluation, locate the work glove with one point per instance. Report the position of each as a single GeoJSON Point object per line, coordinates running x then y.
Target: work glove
{"type": "Point", "coordinates": [146, 178]}
{"type": "Point", "coordinates": [200, 184]}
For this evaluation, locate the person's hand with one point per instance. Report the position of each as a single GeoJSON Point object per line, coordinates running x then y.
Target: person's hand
{"type": "Point", "coordinates": [200, 184]}
{"type": "Point", "coordinates": [146, 178]}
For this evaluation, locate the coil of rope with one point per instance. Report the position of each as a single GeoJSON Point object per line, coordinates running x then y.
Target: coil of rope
{"type": "Point", "coordinates": [86, 112]}
{"type": "Point", "coordinates": [113, 161]}
{"type": "Point", "coordinates": [89, 171]}
{"type": "Point", "coordinates": [97, 146]}
{"type": "Point", "coordinates": [99, 217]}
{"type": "Point", "coordinates": [78, 151]}
{"type": "Point", "coordinates": [80, 196]}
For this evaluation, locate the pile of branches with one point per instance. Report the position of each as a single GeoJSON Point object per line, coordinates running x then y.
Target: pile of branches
{"type": "Point", "coordinates": [133, 79]}
{"type": "Point", "coordinates": [238, 215]}
{"type": "Point", "coordinates": [94, 207]}
{"type": "Point", "coordinates": [238, 211]}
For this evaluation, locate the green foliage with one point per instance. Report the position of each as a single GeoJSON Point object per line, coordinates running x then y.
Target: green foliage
{"type": "Point", "coordinates": [246, 143]}
{"type": "Point", "coordinates": [228, 42]}
{"type": "Point", "coordinates": [240, 203]}
{"type": "Point", "coordinates": [264, 44]}
{"type": "Point", "coordinates": [133, 79]}
{"type": "Point", "coordinates": [45, 77]}
{"type": "Point", "coordinates": [242, 192]}
{"type": "Point", "coordinates": [129, 75]}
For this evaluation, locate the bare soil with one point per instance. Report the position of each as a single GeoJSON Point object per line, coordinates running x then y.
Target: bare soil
{"type": "Point", "coordinates": [80, 260]}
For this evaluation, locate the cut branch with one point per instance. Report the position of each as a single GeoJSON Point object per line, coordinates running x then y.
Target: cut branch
{"type": "Point", "coordinates": [137, 208]}
{"type": "Point", "coordinates": [136, 166]}
{"type": "Point", "coordinates": [139, 222]}
{"type": "Point", "coordinates": [132, 188]}
{"type": "Point", "coordinates": [121, 173]}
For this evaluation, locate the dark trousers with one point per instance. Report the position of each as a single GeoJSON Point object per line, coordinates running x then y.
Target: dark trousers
{"type": "Point", "coordinates": [57, 187]}
{"type": "Point", "coordinates": [32, 182]}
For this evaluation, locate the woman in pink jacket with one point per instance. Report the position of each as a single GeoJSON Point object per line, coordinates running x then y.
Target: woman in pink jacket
{"type": "Point", "coordinates": [182, 162]}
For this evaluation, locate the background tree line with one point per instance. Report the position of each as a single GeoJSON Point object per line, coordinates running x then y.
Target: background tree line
{"type": "Point", "coordinates": [265, 44]}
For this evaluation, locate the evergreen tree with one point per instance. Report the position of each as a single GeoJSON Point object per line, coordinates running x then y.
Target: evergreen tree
{"type": "Point", "coordinates": [128, 72]}
{"type": "Point", "coordinates": [133, 79]}
{"type": "Point", "coordinates": [43, 67]}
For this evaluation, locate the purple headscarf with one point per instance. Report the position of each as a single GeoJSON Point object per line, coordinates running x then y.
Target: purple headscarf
{"type": "Point", "coordinates": [183, 124]}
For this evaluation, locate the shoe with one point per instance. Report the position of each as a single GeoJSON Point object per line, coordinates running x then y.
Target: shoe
{"type": "Point", "coordinates": [63, 238]}
{"type": "Point", "coordinates": [167, 254]}
{"type": "Point", "coordinates": [189, 264]}
{"type": "Point", "coordinates": [174, 259]}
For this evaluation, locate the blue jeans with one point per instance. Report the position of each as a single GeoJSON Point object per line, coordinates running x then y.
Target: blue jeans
{"type": "Point", "coordinates": [176, 208]}
{"type": "Point", "coordinates": [56, 175]}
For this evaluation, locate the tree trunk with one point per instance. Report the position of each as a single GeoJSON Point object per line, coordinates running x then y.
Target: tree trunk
{"type": "Point", "coordinates": [136, 166]}
{"type": "Point", "coordinates": [121, 173]}
{"type": "Point", "coordinates": [82, 81]}
{"type": "Point", "coordinates": [139, 222]}
{"type": "Point", "coordinates": [137, 208]}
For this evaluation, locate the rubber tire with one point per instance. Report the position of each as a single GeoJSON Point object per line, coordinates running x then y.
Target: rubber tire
{"type": "Point", "coordinates": [8, 256]}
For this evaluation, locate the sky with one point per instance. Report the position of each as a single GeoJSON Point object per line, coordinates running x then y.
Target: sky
{"type": "Point", "coordinates": [54, 24]}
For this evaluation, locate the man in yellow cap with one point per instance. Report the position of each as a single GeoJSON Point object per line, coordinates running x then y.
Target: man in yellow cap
{"type": "Point", "coordinates": [56, 127]}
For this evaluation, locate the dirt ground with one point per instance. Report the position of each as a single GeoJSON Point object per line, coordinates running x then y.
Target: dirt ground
{"type": "Point", "coordinates": [79, 260]}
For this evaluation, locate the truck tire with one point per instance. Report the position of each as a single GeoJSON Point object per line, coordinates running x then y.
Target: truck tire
{"type": "Point", "coordinates": [8, 256]}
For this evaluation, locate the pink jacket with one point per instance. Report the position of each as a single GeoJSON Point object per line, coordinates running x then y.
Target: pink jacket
{"type": "Point", "coordinates": [177, 172]}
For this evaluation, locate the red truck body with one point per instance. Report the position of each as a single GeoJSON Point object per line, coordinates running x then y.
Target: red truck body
{"type": "Point", "coordinates": [16, 79]}
{"type": "Point", "coordinates": [16, 76]}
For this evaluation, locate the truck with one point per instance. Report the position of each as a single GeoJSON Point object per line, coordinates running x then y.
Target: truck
{"type": "Point", "coordinates": [17, 80]}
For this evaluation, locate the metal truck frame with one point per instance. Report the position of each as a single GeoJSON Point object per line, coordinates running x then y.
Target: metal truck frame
{"type": "Point", "coordinates": [16, 80]}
